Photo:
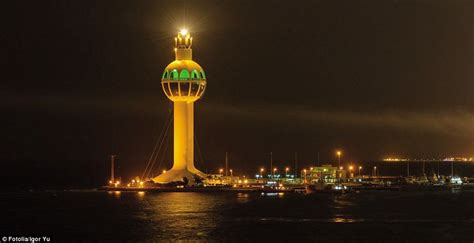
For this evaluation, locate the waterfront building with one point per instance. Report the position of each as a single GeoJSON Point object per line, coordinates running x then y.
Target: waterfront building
{"type": "Point", "coordinates": [325, 173]}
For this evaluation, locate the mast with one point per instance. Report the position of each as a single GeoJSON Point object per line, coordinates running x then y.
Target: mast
{"type": "Point", "coordinates": [112, 165]}
{"type": "Point", "coordinates": [226, 164]}
{"type": "Point", "coordinates": [271, 163]}
{"type": "Point", "coordinates": [452, 168]}
{"type": "Point", "coordinates": [438, 168]}
{"type": "Point", "coordinates": [408, 168]}
{"type": "Point", "coordinates": [296, 164]}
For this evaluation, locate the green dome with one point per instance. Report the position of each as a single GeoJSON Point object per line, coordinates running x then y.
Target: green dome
{"type": "Point", "coordinates": [183, 70]}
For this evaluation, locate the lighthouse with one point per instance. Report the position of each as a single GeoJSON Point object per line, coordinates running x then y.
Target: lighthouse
{"type": "Point", "coordinates": [183, 82]}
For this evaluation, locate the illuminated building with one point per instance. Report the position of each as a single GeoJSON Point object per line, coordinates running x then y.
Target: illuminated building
{"type": "Point", "coordinates": [326, 173]}
{"type": "Point", "coordinates": [183, 82]}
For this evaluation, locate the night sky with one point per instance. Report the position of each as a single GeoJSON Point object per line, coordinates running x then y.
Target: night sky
{"type": "Point", "coordinates": [375, 78]}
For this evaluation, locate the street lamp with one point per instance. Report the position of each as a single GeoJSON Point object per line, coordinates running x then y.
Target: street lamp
{"type": "Point", "coordinates": [304, 175]}
{"type": "Point", "coordinates": [220, 171]}
{"type": "Point", "coordinates": [231, 173]}
{"type": "Point", "coordinates": [375, 170]}
{"type": "Point", "coordinates": [274, 172]}
{"type": "Point", "coordinates": [339, 174]}
{"type": "Point", "coordinates": [339, 156]}
{"type": "Point", "coordinates": [360, 168]}
{"type": "Point", "coordinates": [286, 171]}
{"type": "Point", "coordinates": [261, 171]}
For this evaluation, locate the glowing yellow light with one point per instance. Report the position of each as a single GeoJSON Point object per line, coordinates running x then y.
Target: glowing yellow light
{"type": "Point", "coordinates": [275, 169]}
{"type": "Point", "coordinates": [128, 185]}
{"type": "Point", "coordinates": [340, 168]}
{"type": "Point", "coordinates": [164, 171]}
{"type": "Point", "coordinates": [133, 181]}
{"type": "Point", "coordinates": [245, 181]}
{"type": "Point", "coordinates": [221, 170]}
{"type": "Point", "coordinates": [338, 153]}
{"type": "Point", "coordinates": [350, 167]}
{"type": "Point", "coordinates": [360, 167]}
{"type": "Point", "coordinates": [110, 182]}
{"type": "Point", "coordinates": [287, 169]}
{"type": "Point", "coordinates": [141, 183]}
{"type": "Point", "coordinates": [262, 169]}
{"type": "Point", "coordinates": [183, 32]}
{"type": "Point", "coordinates": [118, 182]}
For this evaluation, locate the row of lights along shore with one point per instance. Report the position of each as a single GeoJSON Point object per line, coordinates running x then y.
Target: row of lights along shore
{"type": "Point", "coordinates": [274, 170]}
{"type": "Point", "coordinates": [137, 182]}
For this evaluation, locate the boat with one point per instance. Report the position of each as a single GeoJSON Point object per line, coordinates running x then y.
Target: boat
{"type": "Point", "coordinates": [326, 188]}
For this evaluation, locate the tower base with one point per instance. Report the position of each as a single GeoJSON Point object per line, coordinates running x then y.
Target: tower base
{"type": "Point", "coordinates": [178, 175]}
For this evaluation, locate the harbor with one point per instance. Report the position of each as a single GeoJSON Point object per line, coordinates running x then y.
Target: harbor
{"type": "Point", "coordinates": [318, 179]}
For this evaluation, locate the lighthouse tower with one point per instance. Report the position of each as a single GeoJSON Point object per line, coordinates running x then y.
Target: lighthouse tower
{"type": "Point", "coordinates": [184, 83]}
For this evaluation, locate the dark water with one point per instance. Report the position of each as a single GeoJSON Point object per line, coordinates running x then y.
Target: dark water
{"type": "Point", "coordinates": [371, 216]}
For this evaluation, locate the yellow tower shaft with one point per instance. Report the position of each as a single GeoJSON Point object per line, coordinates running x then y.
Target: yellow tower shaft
{"type": "Point", "coordinates": [183, 135]}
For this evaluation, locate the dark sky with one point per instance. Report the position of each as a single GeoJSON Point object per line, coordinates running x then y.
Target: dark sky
{"type": "Point", "coordinates": [376, 78]}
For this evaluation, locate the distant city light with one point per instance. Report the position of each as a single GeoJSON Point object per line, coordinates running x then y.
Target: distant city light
{"type": "Point", "coordinates": [461, 159]}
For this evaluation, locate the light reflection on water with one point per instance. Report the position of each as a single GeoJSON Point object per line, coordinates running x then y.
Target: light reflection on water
{"type": "Point", "coordinates": [148, 216]}
{"type": "Point", "coordinates": [183, 215]}
{"type": "Point", "coordinates": [344, 220]}
{"type": "Point", "coordinates": [243, 197]}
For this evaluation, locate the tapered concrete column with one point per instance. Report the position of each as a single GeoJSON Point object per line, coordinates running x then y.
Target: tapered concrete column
{"type": "Point", "coordinates": [182, 122]}
{"type": "Point", "coordinates": [190, 137]}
